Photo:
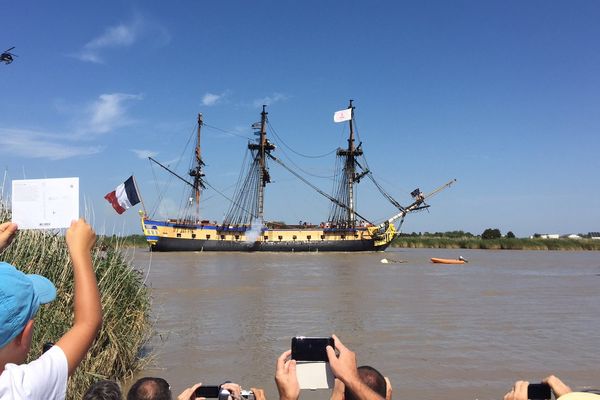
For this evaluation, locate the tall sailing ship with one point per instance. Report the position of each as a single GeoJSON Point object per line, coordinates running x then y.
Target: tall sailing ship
{"type": "Point", "coordinates": [244, 227]}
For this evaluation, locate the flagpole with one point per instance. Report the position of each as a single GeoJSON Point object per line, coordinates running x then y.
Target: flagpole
{"type": "Point", "coordinates": [139, 194]}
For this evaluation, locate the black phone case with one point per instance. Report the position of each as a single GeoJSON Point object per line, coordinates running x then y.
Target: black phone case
{"type": "Point", "coordinates": [311, 348]}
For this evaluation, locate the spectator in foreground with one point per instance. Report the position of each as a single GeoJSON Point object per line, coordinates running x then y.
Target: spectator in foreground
{"type": "Point", "coordinates": [371, 377]}
{"type": "Point", "coordinates": [103, 390]}
{"type": "Point", "coordinates": [20, 298]}
{"type": "Point", "coordinates": [235, 392]}
{"type": "Point", "coordinates": [150, 388]}
{"type": "Point", "coordinates": [560, 390]}
{"type": "Point", "coordinates": [343, 368]}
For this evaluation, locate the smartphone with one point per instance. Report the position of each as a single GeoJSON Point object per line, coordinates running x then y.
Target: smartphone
{"type": "Point", "coordinates": [210, 392]}
{"type": "Point", "coordinates": [311, 348]}
{"type": "Point", "coordinates": [539, 391]}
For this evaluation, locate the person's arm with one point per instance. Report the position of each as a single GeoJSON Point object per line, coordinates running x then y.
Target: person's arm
{"type": "Point", "coordinates": [557, 386]}
{"type": "Point", "coordinates": [8, 232]}
{"type": "Point", "coordinates": [344, 368]}
{"type": "Point", "coordinates": [338, 390]}
{"type": "Point", "coordinates": [285, 377]}
{"type": "Point", "coordinates": [87, 308]}
{"type": "Point", "coordinates": [518, 392]}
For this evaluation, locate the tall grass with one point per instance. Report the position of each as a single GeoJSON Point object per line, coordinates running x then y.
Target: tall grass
{"type": "Point", "coordinates": [125, 302]}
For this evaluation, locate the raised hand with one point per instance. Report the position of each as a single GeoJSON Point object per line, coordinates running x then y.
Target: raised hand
{"type": "Point", "coordinates": [286, 378]}
{"type": "Point", "coordinates": [8, 232]}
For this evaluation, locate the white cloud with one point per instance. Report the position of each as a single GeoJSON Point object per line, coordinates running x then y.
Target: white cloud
{"type": "Point", "coordinates": [143, 154]}
{"type": "Point", "coordinates": [114, 36]}
{"type": "Point", "coordinates": [123, 35]}
{"type": "Point", "coordinates": [104, 115]}
{"type": "Point", "coordinates": [210, 99]}
{"type": "Point", "coordinates": [36, 144]}
{"type": "Point", "coordinates": [269, 100]}
{"type": "Point", "coordinates": [108, 113]}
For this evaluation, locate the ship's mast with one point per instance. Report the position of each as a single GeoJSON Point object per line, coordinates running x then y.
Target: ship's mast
{"type": "Point", "coordinates": [350, 155]}
{"type": "Point", "coordinates": [263, 147]}
{"type": "Point", "coordinates": [196, 172]}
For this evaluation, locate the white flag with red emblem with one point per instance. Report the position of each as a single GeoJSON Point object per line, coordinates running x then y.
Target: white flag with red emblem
{"type": "Point", "coordinates": [342, 115]}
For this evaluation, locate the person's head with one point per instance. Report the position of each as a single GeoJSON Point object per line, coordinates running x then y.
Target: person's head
{"type": "Point", "coordinates": [20, 298]}
{"type": "Point", "coordinates": [150, 388]}
{"type": "Point", "coordinates": [372, 378]}
{"type": "Point", "coordinates": [103, 390]}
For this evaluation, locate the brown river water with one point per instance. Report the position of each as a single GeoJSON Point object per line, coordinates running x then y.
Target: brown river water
{"type": "Point", "coordinates": [437, 331]}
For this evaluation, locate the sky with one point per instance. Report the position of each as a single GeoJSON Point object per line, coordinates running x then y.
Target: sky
{"type": "Point", "coordinates": [503, 96]}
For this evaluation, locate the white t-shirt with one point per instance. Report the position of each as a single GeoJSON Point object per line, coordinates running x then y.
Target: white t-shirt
{"type": "Point", "coordinates": [44, 378]}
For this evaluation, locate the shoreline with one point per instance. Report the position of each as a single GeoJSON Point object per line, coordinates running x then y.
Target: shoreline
{"type": "Point", "coordinates": [435, 242]}
{"type": "Point", "coordinates": [477, 243]}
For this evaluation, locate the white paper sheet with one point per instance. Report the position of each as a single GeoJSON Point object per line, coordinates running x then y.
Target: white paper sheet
{"type": "Point", "coordinates": [45, 203]}
{"type": "Point", "coordinates": [314, 375]}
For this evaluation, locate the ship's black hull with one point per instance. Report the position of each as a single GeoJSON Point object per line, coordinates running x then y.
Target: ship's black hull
{"type": "Point", "coordinates": [179, 244]}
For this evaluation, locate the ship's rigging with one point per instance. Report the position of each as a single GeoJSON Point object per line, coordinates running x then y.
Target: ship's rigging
{"type": "Point", "coordinates": [247, 205]}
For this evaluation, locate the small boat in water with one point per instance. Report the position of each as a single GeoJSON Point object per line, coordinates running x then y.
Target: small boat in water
{"type": "Point", "coordinates": [458, 260]}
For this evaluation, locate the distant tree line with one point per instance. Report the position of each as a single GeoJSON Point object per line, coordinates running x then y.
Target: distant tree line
{"type": "Point", "coordinates": [489, 233]}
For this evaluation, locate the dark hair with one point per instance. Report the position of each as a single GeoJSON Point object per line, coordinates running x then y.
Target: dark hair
{"type": "Point", "coordinates": [372, 378]}
{"type": "Point", "coordinates": [103, 390]}
{"type": "Point", "coordinates": [150, 388]}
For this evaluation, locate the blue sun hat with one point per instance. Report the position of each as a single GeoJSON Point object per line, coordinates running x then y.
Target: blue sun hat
{"type": "Point", "coordinates": [20, 298]}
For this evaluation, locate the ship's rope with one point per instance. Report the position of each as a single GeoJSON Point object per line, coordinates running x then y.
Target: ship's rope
{"type": "Point", "coordinates": [316, 188]}
{"type": "Point", "coordinates": [244, 207]}
{"type": "Point", "coordinates": [226, 131]}
{"type": "Point", "coordinates": [184, 204]}
{"type": "Point", "coordinates": [385, 194]}
{"type": "Point", "coordinates": [289, 159]}
{"type": "Point", "coordinates": [226, 197]}
{"type": "Point", "coordinates": [338, 213]}
{"type": "Point", "coordinates": [272, 129]}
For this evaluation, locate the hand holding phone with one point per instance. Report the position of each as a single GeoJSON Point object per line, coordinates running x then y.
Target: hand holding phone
{"type": "Point", "coordinates": [312, 368]}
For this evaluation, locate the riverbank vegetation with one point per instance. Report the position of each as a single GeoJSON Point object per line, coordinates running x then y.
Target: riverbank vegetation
{"type": "Point", "coordinates": [490, 239]}
{"type": "Point", "coordinates": [125, 303]}
{"type": "Point", "coordinates": [126, 241]}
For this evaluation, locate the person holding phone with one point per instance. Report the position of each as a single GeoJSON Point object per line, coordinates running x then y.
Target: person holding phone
{"type": "Point", "coordinates": [198, 391]}
{"type": "Point", "coordinates": [150, 388]}
{"type": "Point", "coordinates": [371, 377]}
{"type": "Point", "coordinates": [522, 390]}
{"type": "Point", "coordinates": [343, 367]}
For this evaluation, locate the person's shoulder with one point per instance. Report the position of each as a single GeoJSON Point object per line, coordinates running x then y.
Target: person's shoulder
{"type": "Point", "coordinates": [45, 376]}
{"type": "Point", "coordinates": [579, 396]}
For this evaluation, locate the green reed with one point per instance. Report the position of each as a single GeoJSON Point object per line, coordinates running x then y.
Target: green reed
{"type": "Point", "coordinates": [495, 244]}
{"type": "Point", "coordinates": [125, 303]}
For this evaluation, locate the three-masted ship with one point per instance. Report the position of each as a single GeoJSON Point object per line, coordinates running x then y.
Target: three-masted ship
{"type": "Point", "coordinates": [244, 227]}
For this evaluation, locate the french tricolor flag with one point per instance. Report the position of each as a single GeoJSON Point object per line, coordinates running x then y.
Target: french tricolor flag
{"type": "Point", "coordinates": [124, 196]}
